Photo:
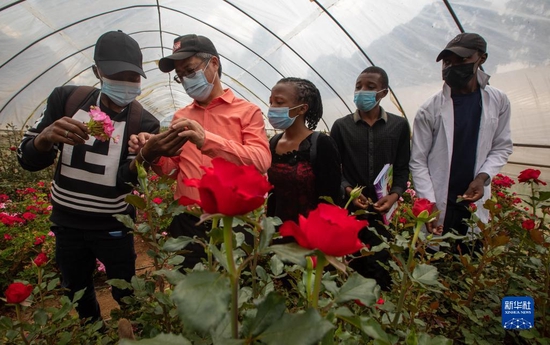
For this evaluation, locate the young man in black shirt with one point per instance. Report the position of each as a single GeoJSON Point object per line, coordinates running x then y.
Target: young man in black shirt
{"type": "Point", "coordinates": [367, 140]}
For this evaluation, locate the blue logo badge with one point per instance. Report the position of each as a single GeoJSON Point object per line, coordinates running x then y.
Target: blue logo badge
{"type": "Point", "coordinates": [518, 312]}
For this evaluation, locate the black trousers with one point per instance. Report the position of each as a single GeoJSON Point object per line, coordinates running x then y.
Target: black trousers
{"type": "Point", "coordinates": [370, 266]}
{"type": "Point", "coordinates": [76, 251]}
{"type": "Point", "coordinates": [455, 217]}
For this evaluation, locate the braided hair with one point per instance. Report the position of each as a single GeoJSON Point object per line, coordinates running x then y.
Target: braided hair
{"type": "Point", "coordinates": [307, 93]}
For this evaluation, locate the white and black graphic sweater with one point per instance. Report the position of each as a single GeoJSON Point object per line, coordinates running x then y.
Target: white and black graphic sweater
{"type": "Point", "coordinates": [91, 180]}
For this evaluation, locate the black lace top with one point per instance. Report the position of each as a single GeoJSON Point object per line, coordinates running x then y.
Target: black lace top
{"type": "Point", "coordinates": [297, 184]}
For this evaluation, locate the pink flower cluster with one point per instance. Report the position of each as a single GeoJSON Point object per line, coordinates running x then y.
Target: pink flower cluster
{"type": "Point", "coordinates": [100, 125]}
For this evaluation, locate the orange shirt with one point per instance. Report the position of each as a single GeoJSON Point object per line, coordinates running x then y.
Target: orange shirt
{"type": "Point", "coordinates": [234, 130]}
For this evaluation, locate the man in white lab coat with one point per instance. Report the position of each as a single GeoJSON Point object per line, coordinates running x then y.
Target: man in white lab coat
{"type": "Point", "coordinates": [461, 137]}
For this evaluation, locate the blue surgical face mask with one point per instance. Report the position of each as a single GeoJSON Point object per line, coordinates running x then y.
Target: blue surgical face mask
{"type": "Point", "coordinates": [198, 87]}
{"type": "Point", "coordinates": [366, 100]}
{"type": "Point", "coordinates": [279, 117]}
{"type": "Point", "coordinates": [121, 93]}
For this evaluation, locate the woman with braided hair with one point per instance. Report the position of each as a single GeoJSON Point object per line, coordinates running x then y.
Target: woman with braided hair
{"type": "Point", "coordinates": [305, 164]}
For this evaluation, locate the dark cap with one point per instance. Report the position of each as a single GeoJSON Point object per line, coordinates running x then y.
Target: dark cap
{"type": "Point", "coordinates": [464, 45]}
{"type": "Point", "coordinates": [116, 52]}
{"type": "Point", "coordinates": [187, 46]}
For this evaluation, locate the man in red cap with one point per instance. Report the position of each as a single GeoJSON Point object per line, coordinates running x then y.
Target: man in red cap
{"type": "Point", "coordinates": [461, 137]}
{"type": "Point", "coordinates": [92, 175]}
{"type": "Point", "coordinates": [216, 123]}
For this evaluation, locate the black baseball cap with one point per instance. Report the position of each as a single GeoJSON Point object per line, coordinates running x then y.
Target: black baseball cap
{"type": "Point", "coordinates": [464, 45]}
{"type": "Point", "coordinates": [116, 52]}
{"type": "Point", "coordinates": [187, 46]}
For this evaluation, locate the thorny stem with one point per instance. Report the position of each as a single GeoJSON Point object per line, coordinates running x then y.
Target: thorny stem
{"type": "Point", "coordinates": [406, 269]}
{"type": "Point", "coordinates": [321, 261]}
{"type": "Point", "coordinates": [18, 312]}
{"type": "Point", "coordinates": [233, 277]}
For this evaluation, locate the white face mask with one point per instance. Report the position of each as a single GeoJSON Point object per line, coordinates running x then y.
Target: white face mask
{"type": "Point", "coordinates": [197, 86]}
{"type": "Point", "coordinates": [121, 93]}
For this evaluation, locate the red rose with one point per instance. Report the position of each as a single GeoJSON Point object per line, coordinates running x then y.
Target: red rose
{"type": "Point", "coordinates": [229, 189]}
{"type": "Point", "coordinates": [18, 292]}
{"type": "Point", "coordinates": [41, 259]}
{"type": "Point", "coordinates": [13, 148]}
{"type": "Point", "coordinates": [530, 175]}
{"type": "Point", "coordinates": [528, 224]}
{"type": "Point", "coordinates": [7, 237]}
{"type": "Point", "coordinates": [402, 220]}
{"type": "Point", "coordinates": [157, 201]}
{"type": "Point", "coordinates": [29, 215]}
{"type": "Point", "coordinates": [502, 181]}
{"type": "Point", "coordinates": [422, 205]}
{"type": "Point", "coordinates": [380, 301]}
{"type": "Point", "coordinates": [327, 228]}
{"type": "Point", "coordinates": [39, 240]}
{"type": "Point", "coordinates": [472, 207]}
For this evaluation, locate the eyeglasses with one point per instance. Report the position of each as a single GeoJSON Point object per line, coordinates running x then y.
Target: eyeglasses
{"type": "Point", "coordinates": [179, 79]}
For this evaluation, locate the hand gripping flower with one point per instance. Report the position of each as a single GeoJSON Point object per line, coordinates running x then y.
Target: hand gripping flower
{"type": "Point", "coordinates": [100, 125]}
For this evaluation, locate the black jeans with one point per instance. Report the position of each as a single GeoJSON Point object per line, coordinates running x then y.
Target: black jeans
{"type": "Point", "coordinates": [370, 266]}
{"type": "Point", "coordinates": [76, 251]}
{"type": "Point", "coordinates": [455, 217]}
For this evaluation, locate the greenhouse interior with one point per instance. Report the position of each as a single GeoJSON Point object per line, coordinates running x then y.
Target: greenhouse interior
{"type": "Point", "coordinates": [50, 43]}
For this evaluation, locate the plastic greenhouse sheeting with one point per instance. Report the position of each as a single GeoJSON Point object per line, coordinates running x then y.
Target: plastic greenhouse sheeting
{"type": "Point", "coordinates": [47, 43]}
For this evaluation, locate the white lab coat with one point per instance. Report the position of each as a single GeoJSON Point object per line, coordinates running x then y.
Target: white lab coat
{"type": "Point", "coordinates": [432, 144]}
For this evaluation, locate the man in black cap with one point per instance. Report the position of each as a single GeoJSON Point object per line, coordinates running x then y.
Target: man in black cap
{"type": "Point", "coordinates": [216, 123]}
{"type": "Point", "coordinates": [92, 176]}
{"type": "Point", "coordinates": [461, 137]}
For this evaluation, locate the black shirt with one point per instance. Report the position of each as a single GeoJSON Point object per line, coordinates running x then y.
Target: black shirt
{"type": "Point", "coordinates": [365, 150]}
{"type": "Point", "coordinates": [467, 118]}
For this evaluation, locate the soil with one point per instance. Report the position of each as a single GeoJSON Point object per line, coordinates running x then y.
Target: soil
{"type": "Point", "coordinates": [103, 293]}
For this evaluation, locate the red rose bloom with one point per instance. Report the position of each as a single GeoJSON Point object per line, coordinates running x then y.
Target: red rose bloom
{"type": "Point", "coordinates": [157, 201]}
{"type": "Point", "coordinates": [7, 237]}
{"type": "Point", "coordinates": [502, 181]}
{"type": "Point", "coordinates": [41, 259]}
{"type": "Point", "coordinates": [472, 207]}
{"type": "Point", "coordinates": [229, 189]}
{"type": "Point", "coordinates": [13, 148]}
{"type": "Point", "coordinates": [528, 224]}
{"type": "Point", "coordinates": [530, 175]}
{"type": "Point", "coordinates": [29, 215]}
{"type": "Point", "coordinates": [328, 228]}
{"type": "Point", "coordinates": [422, 205]}
{"type": "Point", "coordinates": [39, 240]}
{"type": "Point", "coordinates": [18, 292]}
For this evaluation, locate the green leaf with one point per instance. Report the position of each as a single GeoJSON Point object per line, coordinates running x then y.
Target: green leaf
{"type": "Point", "coordinates": [268, 229]}
{"type": "Point", "coordinates": [425, 339]}
{"type": "Point", "coordinates": [120, 283]}
{"type": "Point", "coordinates": [161, 339]}
{"type": "Point", "coordinates": [6, 323]}
{"type": "Point", "coordinates": [136, 201]}
{"type": "Point", "coordinates": [291, 252]}
{"type": "Point", "coordinates": [304, 328]}
{"type": "Point", "coordinates": [372, 328]}
{"type": "Point", "coordinates": [269, 311]}
{"type": "Point", "coordinates": [78, 295]}
{"type": "Point", "coordinates": [52, 284]}
{"type": "Point", "coordinates": [202, 299]}
{"type": "Point", "coordinates": [62, 312]}
{"type": "Point", "coordinates": [175, 244]}
{"type": "Point", "coordinates": [358, 287]}
{"type": "Point", "coordinates": [173, 276]}
{"type": "Point", "coordinates": [175, 260]}
{"type": "Point", "coordinates": [544, 195]}
{"type": "Point", "coordinates": [276, 265]}
{"type": "Point", "coordinates": [40, 317]}
{"type": "Point", "coordinates": [425, 274]}
{"type": "Point", "coordinates": [126, 220]}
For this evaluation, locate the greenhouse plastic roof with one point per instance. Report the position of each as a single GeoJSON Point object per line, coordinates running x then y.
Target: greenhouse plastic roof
{"type": "Point", "coordinates": [48, 43]}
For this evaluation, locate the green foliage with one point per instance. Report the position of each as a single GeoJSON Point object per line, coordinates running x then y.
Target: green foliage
{"type": "Point", "coordinates": [271, 294]}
